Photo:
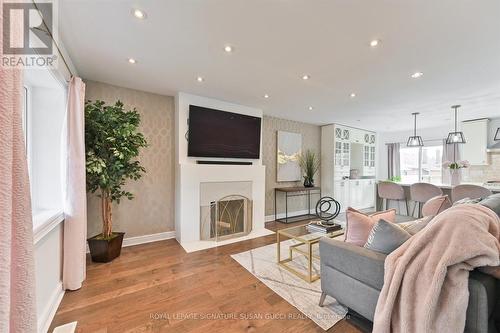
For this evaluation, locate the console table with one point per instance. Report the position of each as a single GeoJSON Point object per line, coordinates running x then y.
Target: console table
{"type": "Point", "coordinates": [290, 192]}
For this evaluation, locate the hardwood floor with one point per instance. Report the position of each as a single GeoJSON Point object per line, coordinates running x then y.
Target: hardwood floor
{"type": "Point", "coordinates": [158, 287]}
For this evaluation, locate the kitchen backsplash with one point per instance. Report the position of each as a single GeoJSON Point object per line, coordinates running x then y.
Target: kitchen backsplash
{"type": "Point", "coordinates": [480, 174]}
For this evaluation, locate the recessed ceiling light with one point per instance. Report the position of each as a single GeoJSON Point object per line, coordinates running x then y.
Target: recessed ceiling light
{"type": "Point", "coordinates": [305, 77]}
{"type": "Point", "coordinates": [310, 108]}
{"type": "Point", "coordinates": [132, 61]}
{"type": "Point", "coordinates": [200, 79]}
{"type": "Point", "coordinates": [266, 96]}
{"type": "Point", "coordinates": [228, 48]}
{"type": "Point", "coordinates": [352, 95]}
{"type": "Point", "coordinates": [416, 75]}
{"type": "Point", "coordinates": [139, 14]}
{"type": "Point", "coordinates": [374, 42]}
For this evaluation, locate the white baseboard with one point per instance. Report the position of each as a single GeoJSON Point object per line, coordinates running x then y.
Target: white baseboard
{"type": "Point", "coordinates": [148, 238]}
{"type": "Point", "coordinates": [137, 240]}
{"type": "Point", "coordinates": [45, 319]}
{"type": "Point", "coordinates": [270, 218]}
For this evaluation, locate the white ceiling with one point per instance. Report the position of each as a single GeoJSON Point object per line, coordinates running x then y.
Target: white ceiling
{"type": "Point", "coordinates": [455, 43]}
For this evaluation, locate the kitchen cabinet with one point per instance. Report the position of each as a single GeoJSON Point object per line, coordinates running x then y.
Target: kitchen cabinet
{"type": "Point", "coordinates": [355, 193]}
{"type": "Point", "coordinates": [341, 190]}
{"type": "Point", "coordinates": [476, 141]}
{"type": "Point", "coordinates": [368, 197]}
{"type": "Point", "coordinates": [344, 148]}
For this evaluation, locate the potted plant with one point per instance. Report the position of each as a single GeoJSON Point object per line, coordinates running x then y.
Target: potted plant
{"type": "Point", "coordinates": [112, 144]}
{"type": "Point", "coordinates": [309, 163]}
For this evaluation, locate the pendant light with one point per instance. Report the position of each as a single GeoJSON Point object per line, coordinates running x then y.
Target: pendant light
{"type": "Point", "coordinates": [415, 140]}
{"type": "Point", "coordinates": [455, 137]}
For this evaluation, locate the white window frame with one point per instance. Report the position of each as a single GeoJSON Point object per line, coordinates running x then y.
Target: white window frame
{"type": "Point", "coordinates": [420, 155]}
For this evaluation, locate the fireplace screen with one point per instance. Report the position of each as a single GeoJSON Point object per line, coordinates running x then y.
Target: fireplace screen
{"type": "Point", "coordinates": [228, 217]}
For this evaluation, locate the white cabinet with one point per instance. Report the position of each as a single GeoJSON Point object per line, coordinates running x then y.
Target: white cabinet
{"type": "Point", "coordinates": [341, 190]}
{"type": "Point", "coordinates": [339, 144]}
{"type": "Point", "coordinates": [368, 198]}
{"type": "Point", "coordinates": [355, 193]}
{"type": "Point", "coordinates": [362, 193]}
{"type": "Point", "coordinates": [476, 141]}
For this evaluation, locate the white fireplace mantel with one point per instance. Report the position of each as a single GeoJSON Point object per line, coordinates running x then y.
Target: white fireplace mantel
{"type": "Point", "coordinates": [189, 175]}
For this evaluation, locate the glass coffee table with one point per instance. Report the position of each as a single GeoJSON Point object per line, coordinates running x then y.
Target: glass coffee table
{"type": "Point", "coordinates": [305, 240]}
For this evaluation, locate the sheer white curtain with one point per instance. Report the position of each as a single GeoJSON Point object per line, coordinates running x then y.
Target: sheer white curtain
{"type": "Point", "coordinates": [75, 210]}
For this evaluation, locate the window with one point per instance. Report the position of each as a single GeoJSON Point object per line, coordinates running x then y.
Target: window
{"type": "Point", "coordinates": [43, 118]}
{"type": "Point", "coordinates": [410, 164]}
{"type": "Point", "coordinates": [421, 164]}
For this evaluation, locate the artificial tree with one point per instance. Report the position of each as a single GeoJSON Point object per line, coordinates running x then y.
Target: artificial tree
{"type": "Point", "coordinates": [112, 144]}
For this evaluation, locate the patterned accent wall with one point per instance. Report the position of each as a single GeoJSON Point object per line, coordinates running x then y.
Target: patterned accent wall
{"type": "Point", "coordinates": [311, 139]}
{"type": "Point", "coordinates": [152, 210]}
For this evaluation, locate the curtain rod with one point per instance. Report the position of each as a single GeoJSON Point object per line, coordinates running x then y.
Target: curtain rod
{"type": "Point", "coordinates": [52, 37]}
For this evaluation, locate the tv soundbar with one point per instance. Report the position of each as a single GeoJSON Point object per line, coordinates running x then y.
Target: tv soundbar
{"type": "Point", "coordinates": [224, 162]}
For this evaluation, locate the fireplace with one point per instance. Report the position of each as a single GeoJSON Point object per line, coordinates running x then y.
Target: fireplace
{"type": "Point", "coordinates": [225, 210]}
{"type": "Point", "coordinates": [228, 217]}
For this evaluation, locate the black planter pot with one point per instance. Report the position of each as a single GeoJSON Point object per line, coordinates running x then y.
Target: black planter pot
{"type": "Point", "coordinates": [105, 250]}
{"type": "Point", "coordinates": [308, 182]}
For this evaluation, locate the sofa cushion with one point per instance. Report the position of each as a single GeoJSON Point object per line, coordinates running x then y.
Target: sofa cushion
{"type": "Point", "coordinates": [385, 237]}
{"type": "Point", "coordinates": [359, 224]}
{"type": "Point", "coordinates": [492, 202]}
{"type": "Point", "coordinates": [412, 227]}
{"type": "Point", "coordinates": [436, 205]}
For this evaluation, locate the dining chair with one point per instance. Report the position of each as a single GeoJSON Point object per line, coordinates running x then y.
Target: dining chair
{"type": "Point", "coordinates": [392, 191]}
{"type": "Point", "coordinates": [420, 193]}
{"type": "Point", "coordinates": [463, 191]}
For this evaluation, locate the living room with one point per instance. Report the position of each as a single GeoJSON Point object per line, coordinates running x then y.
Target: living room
{"type": "Point", "coordinates": [185, 166]}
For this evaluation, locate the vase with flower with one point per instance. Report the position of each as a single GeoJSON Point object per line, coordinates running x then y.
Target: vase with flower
{"type": "Point", "coordinates": [456, 170]}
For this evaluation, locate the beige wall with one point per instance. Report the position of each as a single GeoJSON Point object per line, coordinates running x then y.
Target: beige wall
{"type": "Point", "coordinates": [152, 210]}
{"type": "Point", "coordinates": [311, 139]}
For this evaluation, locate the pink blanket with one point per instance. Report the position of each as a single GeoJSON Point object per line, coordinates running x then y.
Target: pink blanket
{"type": "Point", "coordinates": [426, 279]}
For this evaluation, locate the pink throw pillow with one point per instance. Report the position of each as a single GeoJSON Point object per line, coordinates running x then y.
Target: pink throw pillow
{"type": "Point", "coordinates": [359, 224]}
{"type": "Point", "coordinates": [436, 205]}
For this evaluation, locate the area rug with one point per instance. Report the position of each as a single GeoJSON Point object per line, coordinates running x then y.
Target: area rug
{"type": "Point", "coordinates": [261, 262]}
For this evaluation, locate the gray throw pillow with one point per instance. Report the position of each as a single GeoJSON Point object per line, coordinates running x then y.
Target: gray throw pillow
{"type": "Point", "coordinates": [385, 237]}
{"type": "Point", "coordinates": [413, 227]}
{"type": "Point", "coordinates": [466, 201]}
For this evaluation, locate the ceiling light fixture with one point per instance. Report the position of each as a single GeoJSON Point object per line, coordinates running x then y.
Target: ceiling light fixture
{"type": "Point", "coordinates": [374, 43]}
{"type": "Point", "coordinates": [455, 137]}
{"type": "Point", "coordinates": [200, 79]}
{"type": "Point", "coordinates": [228, 48]}
{"type": "Point", "coordinates": [266, 96]}
{"type": "Point", "coordinates": [415, 140]}
{"type": "Point", "coordinates": [132, 61]}
{"type": "Point", "coordinates": [310, 108]}
{"type": "Point", "coordinates": [352, 95]}
{"type": "Point", "coordinates": [139, 14]}
{"type": "Point", "coordinates": [416, 75]}
{"type": "Point", "coordinates": [305, 77]}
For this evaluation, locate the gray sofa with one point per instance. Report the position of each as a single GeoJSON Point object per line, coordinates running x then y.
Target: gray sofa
{"type": "Point", "coordinates": [354, 276]}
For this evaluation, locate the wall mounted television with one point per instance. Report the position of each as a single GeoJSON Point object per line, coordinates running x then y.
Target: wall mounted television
{"type": "Point", "coordinates": [216, 133]}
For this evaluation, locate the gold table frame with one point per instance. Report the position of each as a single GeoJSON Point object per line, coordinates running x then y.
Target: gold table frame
{"type": "Point", "coordinates": [303, 237]}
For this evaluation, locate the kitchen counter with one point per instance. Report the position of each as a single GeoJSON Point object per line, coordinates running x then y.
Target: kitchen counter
{"type": "Point", "coordinates": [449, 187]}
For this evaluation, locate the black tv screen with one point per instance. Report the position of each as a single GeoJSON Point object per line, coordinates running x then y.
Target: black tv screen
{"type": "Point", "coordinates": [215, 133]}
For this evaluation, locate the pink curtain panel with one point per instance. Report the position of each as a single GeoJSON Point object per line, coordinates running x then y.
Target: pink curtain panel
{"type": "Point", "coordinates": [17, 267]}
